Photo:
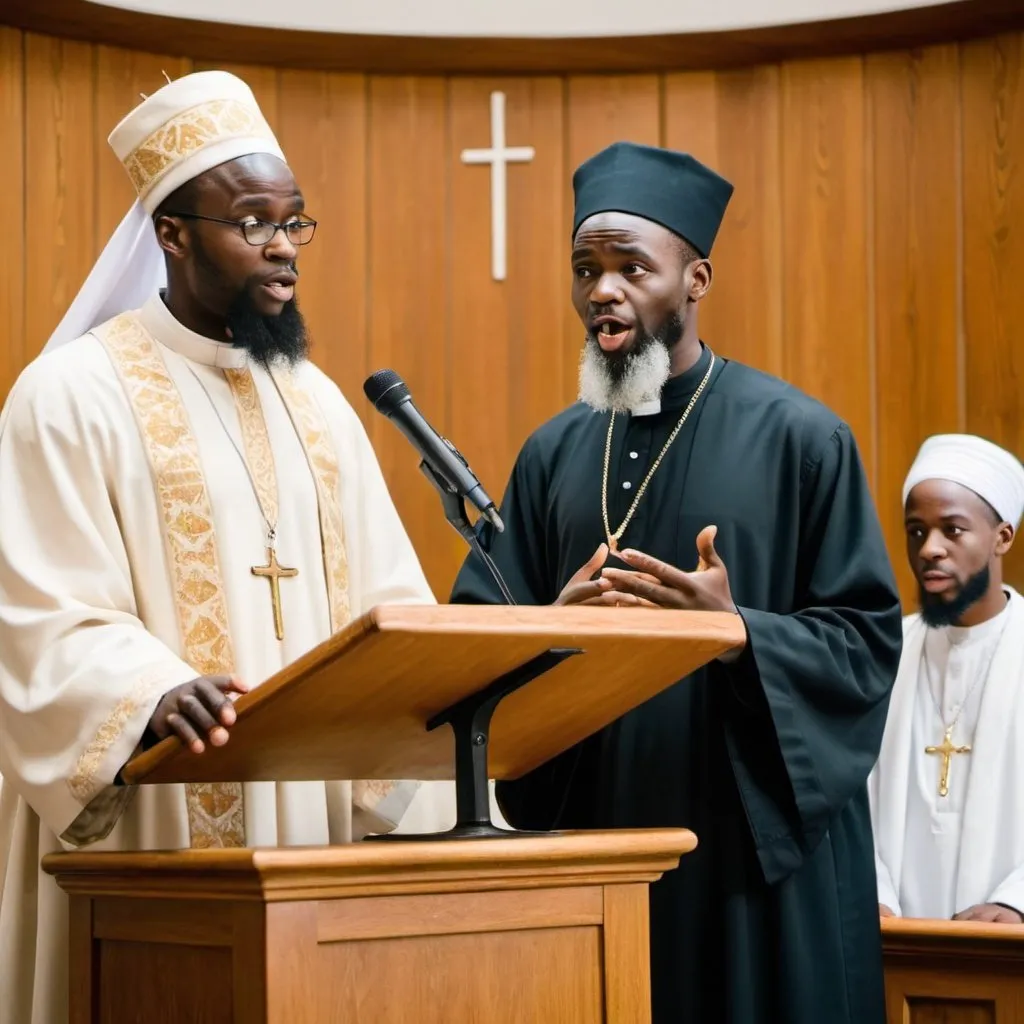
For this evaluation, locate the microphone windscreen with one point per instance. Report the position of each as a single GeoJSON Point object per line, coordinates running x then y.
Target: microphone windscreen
{"type": "Point", "coordinates": [385, 389]}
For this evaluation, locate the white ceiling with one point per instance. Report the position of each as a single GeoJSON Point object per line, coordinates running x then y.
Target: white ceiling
{"type": "Point", "coordinates": [515, 18]}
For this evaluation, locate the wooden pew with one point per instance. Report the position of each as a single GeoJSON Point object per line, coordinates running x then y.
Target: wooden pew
{"type": "Point", "coordinates": [953, 972]}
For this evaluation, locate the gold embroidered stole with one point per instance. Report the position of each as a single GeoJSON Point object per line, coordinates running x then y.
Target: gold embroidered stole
{"type": "Point", "coordinates": [216, 810]}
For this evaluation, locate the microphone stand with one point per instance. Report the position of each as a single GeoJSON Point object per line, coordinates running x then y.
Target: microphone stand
{"type": "Point", "coordinates": [455, 512]}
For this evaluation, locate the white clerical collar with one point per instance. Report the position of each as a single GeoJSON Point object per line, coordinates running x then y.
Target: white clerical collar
{"type": "Point", "coordinates": [160, 322]}
{"type": "Point", "coordinates": [982, 631]}
{"type": "Point", "coordinates": [648, 408]}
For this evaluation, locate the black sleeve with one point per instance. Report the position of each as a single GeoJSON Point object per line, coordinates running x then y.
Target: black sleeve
{"type": "Point", "coordinates": [810, 694]}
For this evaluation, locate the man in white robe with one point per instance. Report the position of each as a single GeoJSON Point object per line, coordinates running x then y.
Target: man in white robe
{"type": "Point", "coordinates": [947, 792]}
{"type": "Point", "coordinates": [168, 443]}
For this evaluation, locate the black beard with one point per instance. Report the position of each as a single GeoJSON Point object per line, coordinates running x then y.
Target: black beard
{"type": "Point", "coordinates": [268, 339]}
{"type": "Point", "coordinates": [937, 613]}
{"type": "Point", "coordinates": [668, 337]}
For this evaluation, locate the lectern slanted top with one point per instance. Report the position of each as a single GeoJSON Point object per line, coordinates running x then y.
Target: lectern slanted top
{"type": "Point", "coordinates": [358, 706]}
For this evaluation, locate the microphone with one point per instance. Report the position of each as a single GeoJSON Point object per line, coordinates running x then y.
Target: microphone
{"type": "Point", "coordinates": [390, 396]}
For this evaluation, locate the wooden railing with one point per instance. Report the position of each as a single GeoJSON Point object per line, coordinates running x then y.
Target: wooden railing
{"type": "Point", "coordinates": [953, 972]}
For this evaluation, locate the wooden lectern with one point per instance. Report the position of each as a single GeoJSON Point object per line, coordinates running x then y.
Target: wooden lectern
{"type": "Point", "coordinates": [493, 927]}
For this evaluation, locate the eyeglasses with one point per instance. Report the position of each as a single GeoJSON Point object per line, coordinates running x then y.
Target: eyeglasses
{"type": "Point", "coordinates": [260, 232]}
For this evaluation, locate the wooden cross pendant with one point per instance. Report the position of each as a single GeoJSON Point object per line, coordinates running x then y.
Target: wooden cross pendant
{"type": "Point", "coordinates": [274, 572]}
{"type": "Point", "coordinates": [946, 750]}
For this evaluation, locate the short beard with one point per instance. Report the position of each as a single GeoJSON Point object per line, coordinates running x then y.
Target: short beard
{"type": "Point", "coordinates": [937, 613]}
{"type": "Point", "coordinates": [624, 383]}
{"type": "Point", "coordinates": [268, 339]}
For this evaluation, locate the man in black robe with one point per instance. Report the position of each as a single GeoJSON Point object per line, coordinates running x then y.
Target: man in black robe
{"type": "Point", "coordinates": [729, 490]}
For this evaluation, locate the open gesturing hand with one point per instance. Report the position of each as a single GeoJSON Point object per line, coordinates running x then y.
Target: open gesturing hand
{"type": "Point", "coordinates": [664, 586]}
{"type": "Point", "coordinates": [583, 588]}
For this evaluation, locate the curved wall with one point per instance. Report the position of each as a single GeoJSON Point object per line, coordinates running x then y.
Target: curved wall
{"type": "Point", "coordinates": [517, 18]}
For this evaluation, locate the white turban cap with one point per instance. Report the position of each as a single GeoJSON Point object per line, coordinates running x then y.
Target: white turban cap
{"type": "Point", "coordinates": [181, 131]}
{"type": "Point", "coordinates": [979, 465]}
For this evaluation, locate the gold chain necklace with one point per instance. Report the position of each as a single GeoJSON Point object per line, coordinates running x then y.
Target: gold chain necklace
{"type": "Point", "coordinates": [613, 538]}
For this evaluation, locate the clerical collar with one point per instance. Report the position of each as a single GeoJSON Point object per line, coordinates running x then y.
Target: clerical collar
{"type": "Point", "coordinates": [982, 631]}
{"type": "Point", "coordinates": [678, 390]}
{"type": "Point", "coordinates": [160, 322]}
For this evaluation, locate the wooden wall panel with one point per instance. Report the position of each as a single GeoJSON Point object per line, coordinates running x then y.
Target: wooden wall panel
{"type": "Point", "coordinates": [506, 370]}
{"type": "Point", "coordinates": [410, 321]}
{"type": "Point", "coordinates": [827, 333]}
{"type": "Point", "coordinates": [12, 206]}
{"type": "Point", "coordinates": [871, 254]}
{"type": "Point", "coordinates": [916, 263]}
{"type": "Point", "coordinates": [60, 182]}
{"type": "Point", "coordinates": [730, 122]}
{"type": "Point", "coordinates": [322, 128]}
{"type": "Point", "coordinates": [993, 211]}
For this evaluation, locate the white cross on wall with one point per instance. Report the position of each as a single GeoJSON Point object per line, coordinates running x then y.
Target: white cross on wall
{"type": "Point", "coordinates": [499, 156]}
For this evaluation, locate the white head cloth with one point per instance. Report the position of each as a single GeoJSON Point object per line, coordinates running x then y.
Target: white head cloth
{"type": "Point", "coordinates": [983, 467]}
{"type": "Point", "coordinates": [189, 126]}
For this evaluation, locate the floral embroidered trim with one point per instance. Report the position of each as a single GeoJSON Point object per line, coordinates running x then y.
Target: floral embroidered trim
{"type": "Point", "coordinates": [187, 133]}
{"type": "Point", "coordinates": [84, 783]}
{"type": "Point", "coordinates": [255, 438]}
{"type": "Point", "coordinates": [215, 810]}
{"type": "Point", "coordinates": [323, 461]}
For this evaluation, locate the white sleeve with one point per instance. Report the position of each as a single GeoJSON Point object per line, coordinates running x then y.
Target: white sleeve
{"type": "Point", "coordinates": [1010, 891]}
{"type": "Point", "coordinates": [79, 674]}
{"type": "Point", "coordinates": [887, 895]}
{"type": "Point", "coordinates": [886, 890]}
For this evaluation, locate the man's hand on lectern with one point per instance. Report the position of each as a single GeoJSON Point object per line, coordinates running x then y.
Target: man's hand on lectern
{"type": "Point", "coordinates": [198, 712]}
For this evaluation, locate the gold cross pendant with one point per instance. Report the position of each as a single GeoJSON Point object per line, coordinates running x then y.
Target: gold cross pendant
{"type": "Point", "coordinates": [946, 750]}
{"type": "Point", "coordinates": [275, 572]}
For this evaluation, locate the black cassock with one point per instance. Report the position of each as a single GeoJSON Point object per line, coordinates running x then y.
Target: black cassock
{"type": "Point", "coordinates": [774, 917]}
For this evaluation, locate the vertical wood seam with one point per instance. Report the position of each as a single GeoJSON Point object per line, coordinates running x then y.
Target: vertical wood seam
{"type": "Point", "coordinates": [449, 254]}
{"type": "Point", "coordinates": [94, 70]}
{"type": "Point", "coordinates": [959, 271]}
{"type": "Point", "coordinates": [780, 131]}
{"type": "Point", "coordinates": [663, 108]}
{"type": "Point", "coordinates": [368, 253]}
{"type": "Point", "coordinates": [870, 283]}
{"type": "Point", "coordinates": [22, 342]}
{"type": "Point", "coordinates": [367, 228]}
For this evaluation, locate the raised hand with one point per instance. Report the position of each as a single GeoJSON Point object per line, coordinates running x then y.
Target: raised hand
{"type": "Point", "coordinates": [664, 586]}
{"type": "Point", "coordinates": [583, 588]}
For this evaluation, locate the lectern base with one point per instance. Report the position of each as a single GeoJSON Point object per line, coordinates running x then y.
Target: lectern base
{"type": "Point", "coordinates": [547, 931]}
{"type": "Point", "coordinates": [470, 720]}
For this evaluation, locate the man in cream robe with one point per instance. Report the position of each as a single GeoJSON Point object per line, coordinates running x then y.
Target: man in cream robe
{"type": "Point", "coordinates": [139, 464]}
{"type": "Point", "coordinates": [947, 791]}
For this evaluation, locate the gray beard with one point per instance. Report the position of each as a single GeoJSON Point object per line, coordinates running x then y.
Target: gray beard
{"type": "Point", "coordinates": [638, 380]}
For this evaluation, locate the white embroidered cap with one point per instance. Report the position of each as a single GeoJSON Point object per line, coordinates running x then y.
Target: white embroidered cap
{"type": "Point", "coordinates": [979, 465]}
{"type": "Point", "coordinates": [187, 127]}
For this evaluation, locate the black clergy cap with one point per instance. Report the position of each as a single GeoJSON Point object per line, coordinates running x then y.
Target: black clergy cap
{"type": "Point", "coordinates": [672, 189]}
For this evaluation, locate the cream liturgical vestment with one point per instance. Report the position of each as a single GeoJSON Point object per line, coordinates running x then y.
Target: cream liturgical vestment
{"type": "Point", "coordinates": [948, 822]}
{"type": "Point", "coordinates": [129, 527]}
